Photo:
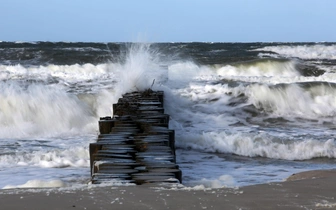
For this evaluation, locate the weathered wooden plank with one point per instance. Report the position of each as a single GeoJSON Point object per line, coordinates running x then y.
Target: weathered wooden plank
{"type": "Point", "coordinates": [135, 145]}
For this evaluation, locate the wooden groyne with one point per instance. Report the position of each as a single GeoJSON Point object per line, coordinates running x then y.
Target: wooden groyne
{"type": "Point", "coordinates": [136, 144]}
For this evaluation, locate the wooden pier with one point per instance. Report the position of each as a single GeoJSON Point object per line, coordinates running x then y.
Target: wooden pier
{"type": "Point", "coordinates": [136, 144]}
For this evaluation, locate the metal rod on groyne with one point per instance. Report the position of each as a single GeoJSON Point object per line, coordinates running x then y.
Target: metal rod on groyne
{"type": "Point", "coordinates": [136, 144]}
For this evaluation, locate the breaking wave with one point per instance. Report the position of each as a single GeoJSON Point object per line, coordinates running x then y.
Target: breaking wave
{"type": "Point", "coordinates": [318, 51]}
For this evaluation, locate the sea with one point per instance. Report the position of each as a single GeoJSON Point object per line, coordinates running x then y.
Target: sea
{"type": "Point", "coordinates": [243, 113]}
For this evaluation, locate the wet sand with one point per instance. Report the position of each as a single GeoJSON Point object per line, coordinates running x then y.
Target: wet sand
{"type": "Point", "coordinates": [307, 190]}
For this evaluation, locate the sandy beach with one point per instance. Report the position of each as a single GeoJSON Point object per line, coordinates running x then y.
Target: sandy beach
{"type": "Point", "coordinates": [307, 190]}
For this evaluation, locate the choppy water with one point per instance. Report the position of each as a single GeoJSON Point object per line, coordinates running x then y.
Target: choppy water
{"type": "Point", "coordinates": [243, 113]}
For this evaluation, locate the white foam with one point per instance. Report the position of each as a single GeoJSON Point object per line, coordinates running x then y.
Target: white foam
{"type": "Point", "coordinates": [326, 204]}
{"type": "Point", "coordinates": [38, 184]}
{"type": "Point", "coordinates": [293, 100]}
{"type": "Point", "coordinates": [38, 110]}
{"type": "Point", "coordinates": [317, 51]}
{"type": "Point", "coordinates": [220, 182]}
{"type": "Point", "coordinates": [75, 156]}
{"type": "Point", "coordinates": [41, 109]}
{"type": "Point", "coordinates": [204, 107]}
{"type": "Point", "coordinates": [141, 70]}
{"type": "Point", "coordinates": [70, 73]}
{"type": "Point", "coordinates": [83, 49]}
{"type": "Point", "coordinates": [186, 71]}
{"type": "Point", "coordinates": [263, 71]}
{"type": "Point", "coordinates": [261, 145]}
{"type": "Point", "coordinates": [262, 68]}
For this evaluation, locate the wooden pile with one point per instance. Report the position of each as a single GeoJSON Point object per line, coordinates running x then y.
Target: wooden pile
{"type": "Point", "coordinates": [135, 145]}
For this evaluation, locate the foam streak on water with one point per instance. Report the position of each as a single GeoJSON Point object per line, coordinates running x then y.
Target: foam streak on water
{"type": "Point", "coordinates": [318, 51]}
{"type": "Point", "coordinates": [242, 113]}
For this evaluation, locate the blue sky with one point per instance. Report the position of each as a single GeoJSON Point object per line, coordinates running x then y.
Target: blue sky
{"type": "Point", "coordinates": [168, 20]}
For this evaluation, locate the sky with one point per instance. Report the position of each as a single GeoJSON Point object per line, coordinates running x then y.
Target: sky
{"type": "Point", "coordinates": [168, 20]}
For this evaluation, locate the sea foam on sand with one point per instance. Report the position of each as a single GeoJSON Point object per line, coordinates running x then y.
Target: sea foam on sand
{"type": "Point", "coordinates": [307, 193]}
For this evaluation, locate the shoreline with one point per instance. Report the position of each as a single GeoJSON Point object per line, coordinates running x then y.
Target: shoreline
{"type": "Point", "coordinates": [305, 190]}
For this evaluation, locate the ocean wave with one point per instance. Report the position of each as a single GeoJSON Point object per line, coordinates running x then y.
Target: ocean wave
{"type": "Point", "coordinates": [75, 156]}
{"type": "Point", "coordinates": [309, 100]}
{"type": "Point", "coordinates": [317, 51]}
{"type": "Point", "coordinates": [221, 99]}
{"type": "Point", "coordinates": [85, 49]}
{"type": "Point", "coordinates": [262, 67]}
{"type": "Point", "coordinates": [36, 109]}
{"type": "Point", "coordinates": [37, 184]}
{"type": "Point", "coordinates": [261, 145]}
{"type": "Point", "coordinates": [67, 72]}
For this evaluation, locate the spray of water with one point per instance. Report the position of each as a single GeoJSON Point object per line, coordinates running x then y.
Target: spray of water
{"type": "Point", "coordinates": [137, 72]}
